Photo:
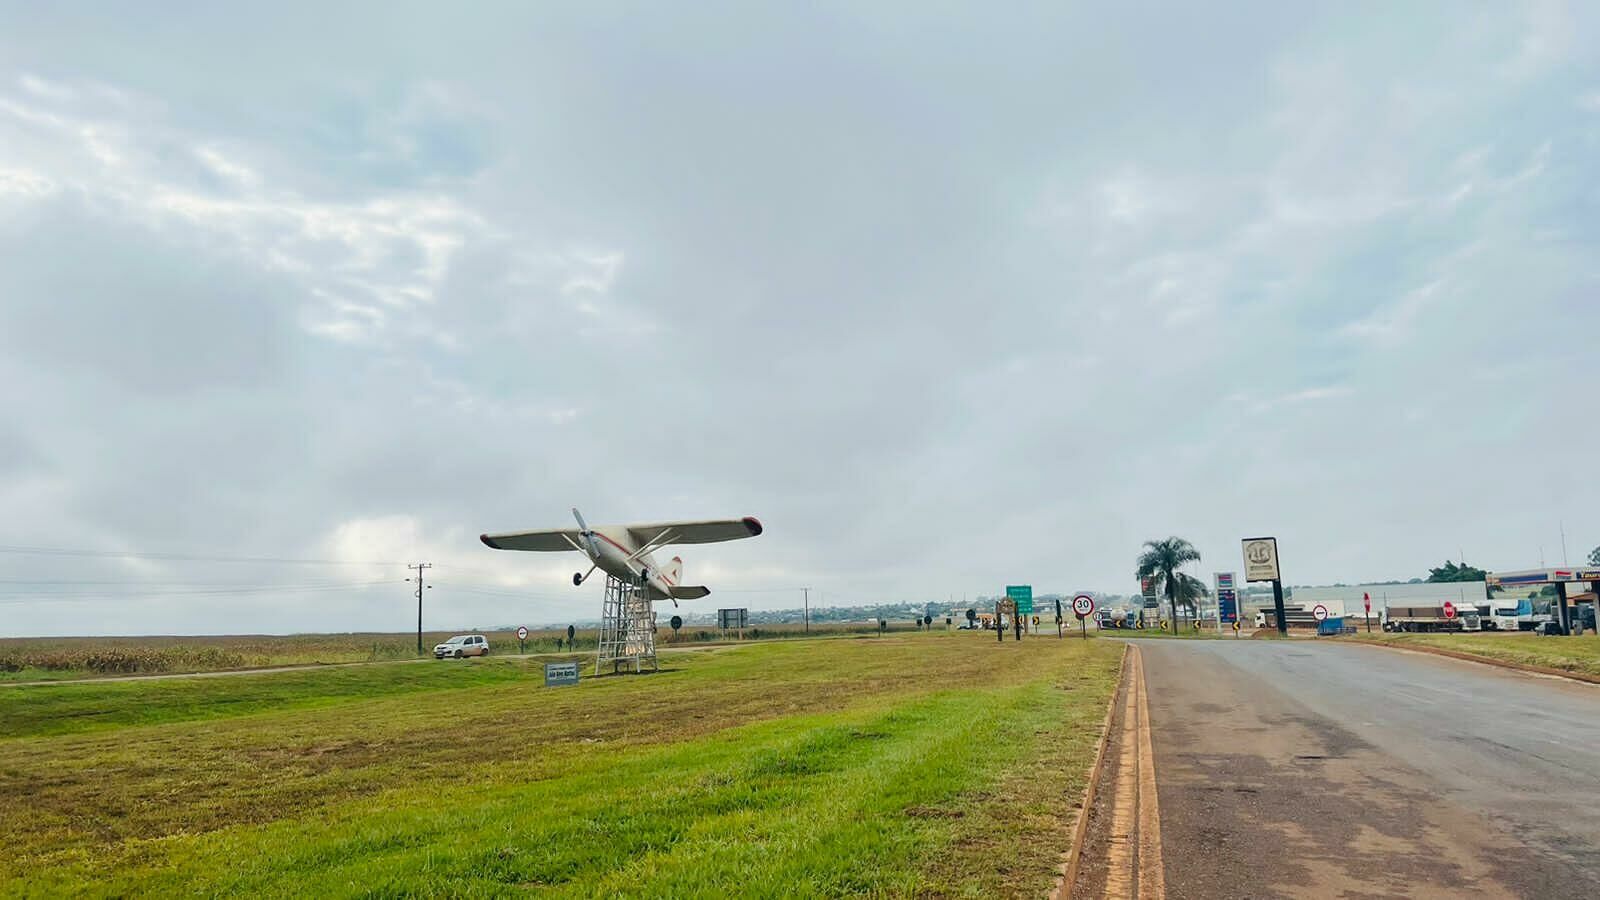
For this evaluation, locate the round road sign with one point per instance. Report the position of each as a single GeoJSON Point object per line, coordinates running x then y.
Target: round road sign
{"type": "Point", "coordinates": [1319, 612]}
{"type": "Point", "coordinates": [522, 632]}
{"type": "Point", "coordinates": [1082, 605]}
{"type": "Point", "coordinates": [1449, 610]}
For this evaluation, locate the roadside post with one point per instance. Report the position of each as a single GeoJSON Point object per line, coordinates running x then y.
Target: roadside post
{"type": "Point", "coordinates": [1058, 617]}
{"type": "Point", "coordinates": [522, 639]}
{"type": "Point", "coordinates": [1083, 607]}
{"type": "Point", "coordinates": [570, 632]}
{"type": "Point", "coordinates": [1002, 608]}
{"type": "Point", "coordinates": [1261, 564]}
{"type": "Point", "coordinates": [1366, 603]}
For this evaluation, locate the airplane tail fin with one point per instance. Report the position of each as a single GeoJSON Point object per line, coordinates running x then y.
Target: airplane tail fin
{"type": "Point", "coordinates": [690, 591]}
{"type": "Point", "coordinates": [673, 573]}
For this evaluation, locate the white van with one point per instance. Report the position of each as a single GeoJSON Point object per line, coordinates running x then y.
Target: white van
{"type": "Point", "coordinates": [462, 645]}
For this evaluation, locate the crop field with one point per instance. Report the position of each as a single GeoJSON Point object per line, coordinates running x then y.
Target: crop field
{"type": "Point", "coordinates": [934, 764]}
{"type": "Point", "coordinates": [53, 659]}
{"type": "Point", "coordinates": [1569, 654]}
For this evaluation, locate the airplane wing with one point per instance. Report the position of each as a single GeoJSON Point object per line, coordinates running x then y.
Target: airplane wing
{"type": "Point", "coordinates": [708, 531]}
{"type": "Point", "coordinates": [552, 539]}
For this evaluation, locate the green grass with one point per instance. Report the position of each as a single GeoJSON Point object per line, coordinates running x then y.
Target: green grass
{"type": "Point", "coordinates": [1569, 654]}
{"type": "Point", "coordinates": [68, 658]}
{"type": "Point", "coordinates": [72, 708]}
{"type": "Point", "coordinates": [897, 766]}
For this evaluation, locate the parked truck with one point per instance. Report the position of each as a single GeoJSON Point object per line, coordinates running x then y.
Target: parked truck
{"type": "Point", "coordinates": [1514, 614]}
{"type": "Point", "coordinates": [1431, 618]}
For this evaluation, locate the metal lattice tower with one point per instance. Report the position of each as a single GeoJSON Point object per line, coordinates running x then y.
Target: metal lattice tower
{"type": "Point", "coordinates": [627, 628]}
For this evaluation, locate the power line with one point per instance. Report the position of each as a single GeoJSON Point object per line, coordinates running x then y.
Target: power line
{"type": "Point", "coordinates": [176, 587]}
{"type": "Point", "coordinates": [185, 557]}
{"type": "Point", "coordinates": [102, 596]}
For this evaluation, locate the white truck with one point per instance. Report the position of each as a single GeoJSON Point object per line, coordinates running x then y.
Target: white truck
{"type": "Point", "coordinates": [1514, 614]}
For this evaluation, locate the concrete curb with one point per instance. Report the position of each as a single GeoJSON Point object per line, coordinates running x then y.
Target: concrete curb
{"type": "Point", "coordinates": [1080, 830]}
{"type": "Point", "coordinates": [1487, 660]}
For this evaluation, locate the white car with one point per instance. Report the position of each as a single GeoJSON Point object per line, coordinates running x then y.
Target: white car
{"type": "Point", "coordinates": [462, 645]}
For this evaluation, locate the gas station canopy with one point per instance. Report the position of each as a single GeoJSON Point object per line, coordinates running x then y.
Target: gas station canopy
{"type": "Point", "coordinates": [1558, 576]}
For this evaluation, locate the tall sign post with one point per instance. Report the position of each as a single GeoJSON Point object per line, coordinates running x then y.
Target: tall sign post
{"type": "Point", "coordinates": [1021, 596]}
{"type": "Point", "coordinates": [1227, 599]}
{"type": "Point", "coordinates": [1147, 590]}
{"type": "Point", "coordinates": [1058, 617]}
{"type": "Point", "coordinates": [1083, 607]}
{"type": "Point", "coordinates": [1366, 603]}
{"type": "Point", "coordinates": [1261, 564]}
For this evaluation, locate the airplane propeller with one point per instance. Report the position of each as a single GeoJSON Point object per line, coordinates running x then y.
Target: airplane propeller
{"type": "Point", "coordinates": [594, 549]}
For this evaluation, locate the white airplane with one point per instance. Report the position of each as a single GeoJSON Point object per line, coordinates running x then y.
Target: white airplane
{"type": "Point", "coordinates": [625, 551]}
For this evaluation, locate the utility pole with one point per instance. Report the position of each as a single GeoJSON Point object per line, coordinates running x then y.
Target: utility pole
{"type": "Point", "coordinates": [808, 609]}
{"type": "Point", "coordinates": [419, 567]}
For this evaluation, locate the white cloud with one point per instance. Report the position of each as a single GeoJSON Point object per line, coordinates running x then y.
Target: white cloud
{"type": "Point", "coordinates": [321, 299]}
{"type": "Point", "coordinates": [1395, 322]}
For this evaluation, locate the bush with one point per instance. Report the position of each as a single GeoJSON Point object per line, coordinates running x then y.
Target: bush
{"type": "Point", "coordinates": [122, 661]}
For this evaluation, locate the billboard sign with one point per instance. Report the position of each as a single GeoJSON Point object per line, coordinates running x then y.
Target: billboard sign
{"type": "Point", "coordinates": [1022, 596]}
{"type": "Point", "coordinates": [1261, 559]}
{"type": "Point", "coordinates": [733, 618]}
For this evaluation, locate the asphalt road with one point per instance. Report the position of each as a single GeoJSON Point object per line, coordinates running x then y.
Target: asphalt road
{"type": "Point", "coordinates": [1318, 769]}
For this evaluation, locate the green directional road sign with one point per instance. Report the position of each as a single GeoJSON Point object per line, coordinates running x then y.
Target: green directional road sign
{"type": "Point", "coordinates": [1022, 595]}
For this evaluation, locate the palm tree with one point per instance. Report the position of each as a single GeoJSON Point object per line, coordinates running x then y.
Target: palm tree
{"type": "Point", "coordinates": [1162, 561]}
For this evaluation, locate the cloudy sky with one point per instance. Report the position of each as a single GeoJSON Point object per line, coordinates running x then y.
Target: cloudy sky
{"type": "Point", "coordinates": [948, 296]}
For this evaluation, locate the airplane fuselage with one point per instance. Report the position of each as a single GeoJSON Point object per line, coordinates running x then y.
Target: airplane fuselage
{"type": "Point", "coordinates": [618, 556]}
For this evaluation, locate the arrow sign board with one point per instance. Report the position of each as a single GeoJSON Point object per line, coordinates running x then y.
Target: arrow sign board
{"type": "Point", "coordinates": [1319, 612]}
{"type": "Point", "coordinates": [1022, 596]}
{"type": "Point", "coordinates": [1082, 605]}
{"type": "Point", "coordinates": [1449, 610]}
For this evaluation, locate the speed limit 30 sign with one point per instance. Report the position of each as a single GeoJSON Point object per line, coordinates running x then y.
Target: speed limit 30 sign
{"type": "Point", "coordinates": [1082, 605]}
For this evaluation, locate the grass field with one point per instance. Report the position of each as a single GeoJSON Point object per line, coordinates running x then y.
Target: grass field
{"type": "Point", "coordinates": [908, 765]}
{"type": "Point", "coordinates": [63, 658]}
{"type": "Point", "coordinates": [1569, 654]}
